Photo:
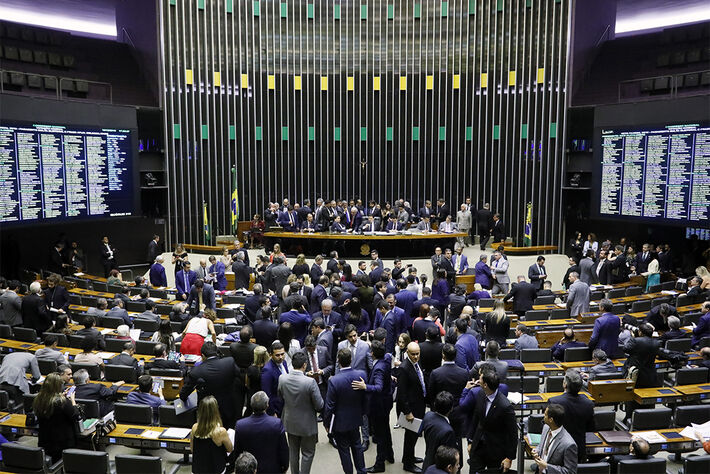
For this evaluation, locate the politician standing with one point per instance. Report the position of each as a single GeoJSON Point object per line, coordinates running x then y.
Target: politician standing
{"type": "Point", "coordinates": [498, 230]}
{"type": "Point", "coordinates": [154, 248]}
{"type": "Point", "coordinates": [605, 335]}
{"type": "Point", "coordinates": [523, 294]}
{"type": "Point", "coordinates": [108, 256]}
{"type": "Point", "coordinates": [184, 279]}
{"type": "Point", "coordinates": [201, 296]}
{"type": "Point", "coordinates": [578, 295]}
{"type": "Point", "coordinates": [344, 410]}
{"type": "Point", "coordinates": [437, 429]}
{"type": "Point", "coordinates": [157, 276]}
{"type": "Point", "coordinates": [537, 273]}
{"type": "Point", "coordinates": [411, 398]}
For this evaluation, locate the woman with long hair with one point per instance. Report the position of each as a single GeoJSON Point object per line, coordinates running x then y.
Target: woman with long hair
{"type": "Point", "coordinates": [590, 244]}
{"type": "Point", "coordinates": [61, 325]}
{"type": "Point", "coordinates": [114, 278]}
{"type": "Point", "coordinates": [497, 324]}
{"type": "Point", "coordinates": [704, 274]}
{"type": "Point", "coordinates": [253, 375]}
{"type": "Point", "coordinates": [300, 267]}
{"type": "Point", "coordinates": [653, 272]}
{"type": "Point", "coordinates": [226, 258]}
{"type": "Point", "coordinates": [277, 253]}
{"type": "Point", "coordinates": [179, 257]}
{"type": "Point", "coordinates": [164, 335]}
{"type": "Point", "coordinates": [209, 441]}
{"type": "Point", "coordinates": [57, 416]}
{"type": "Point", "coordinates": [357, 316]}
{"type": "Point", "coordinates": [440, 289]}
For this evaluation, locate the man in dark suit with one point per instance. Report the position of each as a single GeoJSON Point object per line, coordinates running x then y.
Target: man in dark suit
{"type": "Point", "coordinates": [89, 331]}
{"type": "Point", "coordinates": [344, 409]}
{"type": "Point", "coordinates": [184, 280]}
{"type": "Point", "coordinates": [316, 269]}
{"type": "Point", "coordinates": [34, 310]}
{"type": "Point", "coordinates": [447, 265]}
{"type": "Point", "coordinates": [619, 268]}
{"type": "Point", "coordinates": [607, 327]}
{"type": "Point", "coordinates": [161, 360]}
{"type": "Point", "coordinates": [322, 334]}
{"type": "Point", "coordinates": [318, 294]}
{"type": "Point", "coordinates": [426, 211]}
{"type": "Point", "coordinates": [56, 259]}
{"type": "Point", "coordinates": [579, 411]}
{"type": "Point", "coordinates": [201, 297]}
{"type": "Point", "coordinates": [253, 303]}
{"type": "Point", "coordinates": [108, 256]}
{"type": "Point", "coordinates": [332, 264]}
{"type": "Point", "coordinates": [153, 248]}
{"type": "Point", "coordinates": [498, 230]}
{"type": "Point", "coordinates": [379, 388]}
{"type": "Point", "coordinates": [537, 273]}
{"type": "Point", "coordinates": [273, 369]}
{"type": "Point", "coordinates": [643, 258]}
{"type": "Point", "coordinates": [319, 364]}
{"type": "Point", "coordinates": [126, 358]}
{"type": "Point", "coordinates": [243, 351]}
{"type": "Point", "coordinates": [642, 351]}
{"type": "Point", "coordinates": [264, 329]}
{"type": "Point", "coordinates": [484, 219]}
{"type": "Point", "coordinates": [658, 316]}
{"type": "Point", "coordinates": [493, 439]}
{"type": "Point", "coordinates": [523, 294]}
{"type": "Point", "coordinates": [242, 272]}
{"type": "Point", "coordinates": [95, 391]}
{"type": "Point", "coordinates": [263, 436]}
{"type": "Point", "coordinates": [430, 349]}
{"type": "Point", "coordinates": [442, 210]}
{"type": "Point", "coordinates": [601, 269]}
{"type": "Point", "coordinates": [436, 428]}
{"type": "Point", "coordinates": [411, 397]}
{"type": "Point", "coordinates": [452, 379]}
{"type": "Point", "coordinates": [216, 377]}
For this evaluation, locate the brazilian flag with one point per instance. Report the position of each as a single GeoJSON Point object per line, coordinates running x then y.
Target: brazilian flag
{"type": "Point", "coordinates": [206, 224]}
{"type": "Point", "coordinates": [235, 201]}
{"type": "Point", "coordinates": [527, 237]}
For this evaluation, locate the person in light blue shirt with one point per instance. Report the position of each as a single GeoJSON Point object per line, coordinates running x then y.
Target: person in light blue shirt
{"type": "Point", "coordinates": [143, 396]}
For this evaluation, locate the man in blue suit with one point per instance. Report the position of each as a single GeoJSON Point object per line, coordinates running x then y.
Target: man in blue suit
{"type": "Point", "coordinates": [184, 280]}
{"type": "Point", "coordinates": [605, 335]}
{"type": "Point", "coordinates": [318, 294]}
{"type": "Point", "coordinates": [344, 410]}
{"type": "Point", "coordinates": [201, 296]}
{"type": "Point", "coordinates": [217, 271]}
{"type": "Point", "coordinates": [393, 225]}
{"type": "Point", "coordinates": [537, 273]}
{"type": "Point", "coordinates": [467, 351]}
{"type": "Point", "coordinates": [263, 436]}
{"type": "Point", "coordinates": [404, 299]}
{"type": "Point", "coordinates": [157, 273]}
{"type": "Point", "coordinates": [388, 318]}
{"type": "Point", "coordinates": [353, 220]}
{"type": "Point", "coordinates": [289, 220]}
{"type": "Point", "coordinates": [299, 319]}
{"type": "Point", "coordinates": [459, 260]}
{"type": "Point", "coordinates": [379, 389]}
{"type": "Point", "coordinates": [270, 374]}
{"type": "Point", "coordinates": [437, 429]}
{"type": "Point", "coordinates": [483, 272]}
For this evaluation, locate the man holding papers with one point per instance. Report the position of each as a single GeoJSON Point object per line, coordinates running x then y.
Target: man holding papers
{"type": "Point", "coordinates": [411, 396]}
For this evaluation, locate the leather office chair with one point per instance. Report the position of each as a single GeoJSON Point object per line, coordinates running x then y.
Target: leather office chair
{"type": "Point", "coordinates": [146, 325]}
{"type": "Point", "coordinates": [115, 345]}
{"type": "Point", "coordinates": [650, 419]}
{"type": "Point", "coordinates": [91, 407]}
{"type": "Point", "coordinates": [117, 373]}
{"type": "Point", "coordinates": [531, 384]}
{"type": "Point", "coordinates": [559, 313]}
{"type": "Point", "coordinates": [642, 466]}
{"type": "Point", "coordinates": [47, 367]}
{"type": "Point", "coordinates": [594, 468]}
{"type": "Point", "coordinates": [535, 355]}
{"type": "Point", "coordinates": [130, 464]}
{"type": "Point", "coordinates": [576, 354]}
{"type": "Point", "coordinates": [75, 341]}
{"type": "Point", "coordinates": [79, 461]}
{"type": "Point", "coordinates": [634, 291]}
{"type": "Point", "coordinates": [690, 375]}
{"type": "Point", "coordinates": [639, 306]}
{"type": "Point", "coordinates": [24, 334]}
{"type": "Point", "coordinates": [553, 383]}
{"type": "Point", "coordinates": [110, 322]}
{"type": "Point", "coordinates": [545, 299]}
{"type": "Point", "coordinates": [21, 458]}
{"type": "Point", "coordinates": [537, 315]}
{"type": "Point", "coordinates": [167, 417]}
{"type": "Point", "coordinates": [680, 345]}
{"type": "Point", "coordinates": [93, 369]}
{"type": "Point", "coordinates": [145, 347]}
{"type": "Point", "coordinates": [604, 420]}
{"type": "Point", "coordinates": [535, 423]}
{"type": "Point", "coordinates": [697, 464]}
{"type": "Point", "coordinates": [133, 414]}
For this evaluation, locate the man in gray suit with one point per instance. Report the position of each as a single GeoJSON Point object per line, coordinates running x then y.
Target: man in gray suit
{"type": "Point", "coordinates": [578, 296]}
{"type": "Point", "coordinates": [302, 399]}
{"type": "Point", "coordinates": [201, 269]}
{"type": "Point", "coordinates": [100, 310]}
{"type": "Point", "coordinates": [360, 350]}
{"type": "Point", "coordinates": [320, 363]}
{"type": "Point", "coordinates": [586, 266]}
{"type": "Point", "coordinates": [276, 275]}
{"type": "Point", "coordinates": [557, 452]}
{"type": "Point", "coordinates": [499, 269]}
{"type": "Point", "coordinates": [11, 304]}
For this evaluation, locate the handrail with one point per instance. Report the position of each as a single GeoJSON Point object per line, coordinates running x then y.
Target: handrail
{"type": "Point", "coordinates": [59, 80]}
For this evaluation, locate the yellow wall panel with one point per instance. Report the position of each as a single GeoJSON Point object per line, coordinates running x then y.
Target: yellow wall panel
{"type": "Point", "coordinates": [245, 81]}
{"type": "Point", "coordinates": [351, 83]}
{"type": "Point", "coordinates": [511, 78]}
{"type": "Point", "coordinates": [457, 81]}
{"type": "Point", "coordinates": [403, 83]}
{"type": "Point", "coordinates": [541, 75]}
{"type": "Point", "coordinates": [188, 76]}
{"type": "Point", "coordinates": [324, 83]}
{"type": "Point", "coordinates": [376, 83]}
{"type": "Point", "coordinates": [484, 80]}
{"type": "Point", "coordinates": [297, 83]}
{"type": "Point", "coordinates": [430, 82]}
{"type": "Point", "coordinates": [217, 78]}
{"type": "Point", "coordinates": [271, 81]}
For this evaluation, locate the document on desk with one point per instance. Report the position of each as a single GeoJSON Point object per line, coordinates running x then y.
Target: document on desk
{"type": "Point", "coordinates": [561, 305]}
{"type": "Point", "coordinates": [413, 425]}
{"type": "Point", "coordinates": [516, 398]}
{"type": "Point", "coordinates": [106, 355]}
{"type": "Point", "coordinates": [150, 434]}
{"type": "Point", "coordinates": [107, 331]}
{"type": "Point", "coordinates": [135, 334]}
{"type": "Point", "coordinates": [651, 436]}
{"type": "Point", "coordinates": [175, 433]}
{"type": "Point", "coordinates": [689, 431]}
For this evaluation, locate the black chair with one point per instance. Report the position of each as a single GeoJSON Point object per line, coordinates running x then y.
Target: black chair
{"type": "Point", "coordinates": [129, 464]}
{"type": "Point", "coordinates": [654, 288]}
{"type": "Point", "coordinates": [27, 401]}
{"type": "Point", "coordinates": [89, 301]}
{"type": "Point", "coordinates": [680, 345]}
{"type": "Point", "coordinates": [596, 295]}
{"type": "Point", "coordinates": [93, 369]}
{"type": "Point", "coordinates": [83, 284]}
{"type": "Point", "coordinates": [639, 306]}
{"type": "Point", "coordinates": [163, 308]}
{"type": "Point", "coordinates": [650, 419]}
{"type": "Point", "coordinates": [24, 334]}
{"type": "Point", "coordinates": [704, 342]}
{"type": "Point", "coordinates": [167, 417]}
{"type": "Point", "coordinates": [531, 384]}
{"type": "Point", "coordinates": [508, 354]}
{"type": "Point", "coordinates": [224, 351]}
{"type": "Point", "coordinates": [115, 345]}
{"type": "Point", "coordinates": [604, 420]}
{"type": "Point", "coordinates": [114, 289]}
{"type": "Point", "coordinates": [668, 285]}
{"type": "Point", "coordinates": [46, 366]}
{"type": "Point", "coordinates": [234, 299]}
{"type": "Point", "coordinates": [634, 291]}
{"type": "Point", "coordinates": [218, 328]}
{"type": "Point", "coordinates": [642, 466]}
{"type": "Point", "coordinates": [110, 322]}
{"type": "Point", "coordinates": [133, 414]}
{"type": "Point", "coordinates": [577, 354]}
{"type": "Point", "coordinates": [100, 286]}
{"type": "Point", "coordinates": [486, 302]}
{"type": "Point", "coordinates": [559, 313]}
{"type": "Point", "coordinates": [91, 407]}
{"type": "Point", "coordinates": [594, 468]}
{"type": "Point", "coordinates": [76, 341]}
{"type": "Point", "coordinates": [166, 372]}
{"type": "Point", "coordinates": [690, 375]}
{"type": "Point", "coordinates": [145, 347]}
{"type": "Point", "coordinates": [687, 414]}
{"type": "Point", "coordinates": [161, 294]}
{"type": "Point", "coordinates": [697, 464]}
{"type": "Point", "coordinates": [545, 299]}
{"type": "Point", "coordinates": [617, 293]}
{"type": "Point", "coordinates": [5, 331]}
{"type": "Point", "coordinates": [62, 339]}
{"type": "Point", "coordinates": [117, 373]}
{"type": "Point", "coordinates": [176, 326]}
{"type": "Point", "coordinates": [225, 313]}
{"type": "Point", "coordinates": [659, 301]}
{"type": "Point", "coordinates": [135, 306]}
{"type": "Point", "coordinates": [21, 458]}
{"type": "Point", "coordinates": [74, 299]}
{"type": "Point", "coordinates": [618, 308]}
{"type": "Point", "coordinates": [553, 383]}
{"type": "Point", "coordinates": [79, 461]}
{"type": "Point", "coordinates": [535, 423]}
{"type": "Point", "coordinates": [690, 318]}
{"type": "Point", "coordinates": [146, 325]}
{"type": "Point", "coordinates": [535, 355]}
{"type": "Point", "coordinates": [537, 315]}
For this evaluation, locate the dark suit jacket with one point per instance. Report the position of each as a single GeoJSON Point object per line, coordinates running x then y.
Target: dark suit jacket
{"type": "Point", "coordinates": [265, 438]}
{"type": "Point", "coordinates": [96, 334]}
{"type": "Point", "coordinates": [642, 352]}
{"type": "Point", "coordinates": [523, 294]}
{"type": "Point", "coordinates": [498, 426]}
{"type": "Point", "coordinates": [410, 395]}
{"type": "Point", "coordinates": [241, 275]}
{"type": "Point", "coordinates": [342, 402]}
{"type": "Point", "coordinates": [251, 306]}
{"type": "Point", "coordinates": [95, 391]}
{"type": "Point", "coordinates": [430, 358]}
{"type": "Point", "coordinates": [125, 359]}
{"type": "Point", "coordinates": [379, 388]}
{"type": "Point", "coordinates": [603, 278]}
{"type": "Point", "coordinates": [215, 377]}
{"type": "Point", "coordinates": [498, 231]}
{"type": "Point", "coordinates": [35, 314]}
{"type": "Point", "coordinates": [55, 262]}
{"type": "Point", "coordinates": [242, 353]}
{"type": "Point", "coordinates": [316, 272]}
{"type": "Point", "coordinates": [208, 297]}
{"type": "Point", "coordinates": [534, 275]}
{"type": "Point", "coordinates": [484, 217]}
{"type": "Point", "coordinates": [325, 363]}
{"type": "Point", "coordinates": [437, 432]}
{"type": "Point", "coordinates": [450, 378]}
{"type": "Point", "coordinates": [270, 374]}
{"type": "Point", "coordinates": [153, 251]}
{"type": "Point", "coordinates": [57, 297]}
{"type": "Point", "coordinates": [578, 420]}
{"type": "Point", "coordinates": [265, 332]}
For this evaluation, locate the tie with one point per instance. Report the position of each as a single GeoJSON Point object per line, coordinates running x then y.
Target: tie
{"type": "Point", "coordinates": [290, 218]}
{"type": "Point", "coordinates": [184, 274]}
{"type": "Point", "coordinates": [283, 368]}
{"type": "Point", "coordinates": [421, 378]}
{"type": "Point", "coordinates": [548, 442]}
{"type": "Point", "coordinates": [202, 306]}
{"type": "Point", "coordinates": [314, 366]}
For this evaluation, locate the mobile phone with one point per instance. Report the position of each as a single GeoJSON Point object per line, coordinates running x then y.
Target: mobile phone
{"type": "Point", "coordinates": [156, 386]}
{"type": "Point", "coordinates": [71, 390]}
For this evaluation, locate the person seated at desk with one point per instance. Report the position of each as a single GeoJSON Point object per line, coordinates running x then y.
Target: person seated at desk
{"type": "Point", "coordinates": [702, 329]}
{"type": "Point", "coordinates": [491, 354]}
{"type": "Point", "coordinates": [447, 227]}
{"type": "Point", "coordinates": [161, 360]}
{"type": "Point", "coordinates": [674, 331]}
{"type": "Point", "coordinates": [142, 396]}
{"type": "Point", "coordinates": [90, 332]}
{"type": "Point", "coordinates": [694, 286]}
{"type": "Point", "coordinates": [524, 338]}
{"type": "Point", "coordinates": [87, 356]}
{"type": "Point", "coordinates": [142, 296]}
{"type": "Point", "coordinates": [50, 351]}
{"type": "Point", "coordinates": [393, 225]}
{"type": "Point", "coordinates": [100, 309]}
{"type": "Point", "coordinates": [117, 311]}
{"type": "Point", "coordinates": [164, 335]}
{"type": "Point", "coordinates": [96, 391]}
{"type": "Point", "coordinates": [658, 316]}
{"type": "Point", "coordinates": [370, 225]}
{"type": "Point", "coordinates": [568, 340]}
{"type": "Point", "coordinates": [337, 227]}
{"type": "Point", "coordinates": [114, 278]}
{"type": "Point", "coordinates": [546, 289]}
{"type": "Point", "coordinates": [126, 358]}
{"type": "Point", "coordinates": [638, 449]}
{"type": "Point", "coordinates": [602, 365]}
{"type": "Point", "coordinates": [424, 225]}
{"type": "Point", "coordinates": [201, 297]}
{"type": "Point", "coordinates": [148, 314]}
{"type": "Point", "coordinates": [123, 333]}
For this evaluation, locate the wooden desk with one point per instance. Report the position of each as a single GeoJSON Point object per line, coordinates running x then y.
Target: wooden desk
{"type": "Point", "coordinates": [671, 442]}
{"type": "Point", "coordinates": [9, 345]}
{"type": "Point", "coordinates": [611, 391]}
{"type": "Point", "coordinates": [542, 368]}
{"type": "Point", "coordinates": [548, 323]}
{"type": "Point", "coordinates": [537, 249]}
{"type": "Point", "coordinates": [98, 294]}
{"type": "Point", "coordinates": [694, 392]}
{"type": "Point", "coordinates": [550, 338]}
{"type": "Point", "coordinates": [534, 401]}
{"type": "Point", "coordinates": [120, 436]}
{"type": "Point", "coordinates": [651, 396]}
{"type": "Point", "coordinates": [15, 425]}
{"type": "Point", "coordinates": [83, 309]}
{"type": "Point", "coordinates": [86, 276]}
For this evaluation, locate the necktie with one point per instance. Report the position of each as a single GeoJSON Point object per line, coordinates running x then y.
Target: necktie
{"type": "Point", "coordinates": [290, 218]}
{"type": "Point", "coordinates": [314, 366]}
{"type": "Point", "coordinates": [548, 442]}
{"type": "Point", "coordinates": [421, 378]}
{"type": "Point", "coordinates": [202, 306]}
{"type": "Point", "coordinates": [184, 274]}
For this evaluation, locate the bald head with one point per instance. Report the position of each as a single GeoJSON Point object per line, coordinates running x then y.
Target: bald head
{"type": "Point", "coordinates": [467, 310]}
{"type": "Point", "coordinates": [413, 352]}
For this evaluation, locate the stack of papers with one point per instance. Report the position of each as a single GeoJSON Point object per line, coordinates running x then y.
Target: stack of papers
{"type": "Point", "coordinates": [135, 334]}
{"type": "Point", "coordinates": [413, 425]}
{"type": "Point", "coordinates": [106, 331]}
{"type": "Point", "coordinates": [176, 433]}
{"type": "Point", "coordinates": [516, 398]}
{"type": "Point", "coordinates": [151, 434]}
{"type": "Point", "coordinates": [704, 430]}
{"type": "Point", "coordinates": [561, 305]}
{"type": "Point", "coordinates": [106, 355]}
{"type": "Point", "coordinates": [669, 292]}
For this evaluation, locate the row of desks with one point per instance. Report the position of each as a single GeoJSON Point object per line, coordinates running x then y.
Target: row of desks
{"type": "Point", "coordinates": [77, 308]}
